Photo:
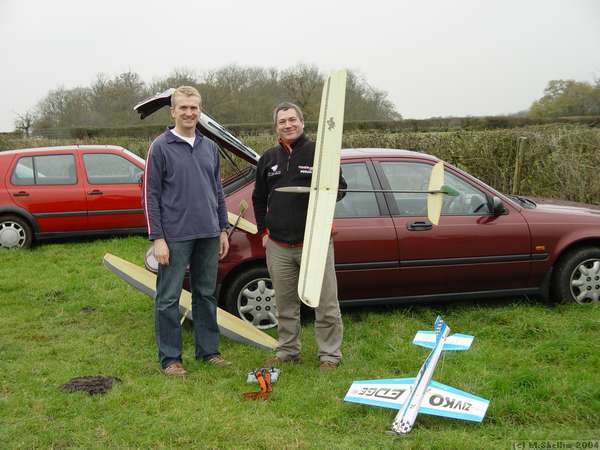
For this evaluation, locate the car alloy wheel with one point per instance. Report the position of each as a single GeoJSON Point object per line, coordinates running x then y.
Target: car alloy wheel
{"type": "Point", "coordinates": [14, 233]}
{"type": "Point", "coordinates": [256, 303]}
{"type": "Point", "coordinates": [250, 295]}
{"type": "Point", "coordinates": [585, 281]}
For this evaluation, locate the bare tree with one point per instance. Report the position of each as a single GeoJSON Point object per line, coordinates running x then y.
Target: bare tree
{"type": "Point", "coordinates": [303, 84]}
{"type": "Point", "coordinates": [232, 94]}
{"type": "Point", "coordinates": [181, 76]}
{"type": "Point", "coordinates": [24, 122]}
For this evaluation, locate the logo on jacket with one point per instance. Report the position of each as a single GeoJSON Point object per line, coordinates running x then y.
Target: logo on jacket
{"type": "Point", "coordinates": [273, 171]}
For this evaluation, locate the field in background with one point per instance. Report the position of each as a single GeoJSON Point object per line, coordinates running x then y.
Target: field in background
{"type": "Point", "coordinates": [62, 315]}
{"type": "Point", "coordinates": [558, 160]}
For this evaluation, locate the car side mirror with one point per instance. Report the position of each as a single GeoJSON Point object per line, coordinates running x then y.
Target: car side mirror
{"type": "Point", "coordinates": [496, 206]}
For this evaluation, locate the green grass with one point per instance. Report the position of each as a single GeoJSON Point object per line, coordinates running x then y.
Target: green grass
{"type": "Point", "coordinates": [538, 364]}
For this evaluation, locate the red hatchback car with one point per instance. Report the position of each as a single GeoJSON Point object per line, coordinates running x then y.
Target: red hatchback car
{"type": "Point", "coordinates": [68, 191]}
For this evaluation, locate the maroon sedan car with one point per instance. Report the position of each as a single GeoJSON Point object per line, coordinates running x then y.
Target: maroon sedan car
{"type": "Point", "coordinates": [386, 251]}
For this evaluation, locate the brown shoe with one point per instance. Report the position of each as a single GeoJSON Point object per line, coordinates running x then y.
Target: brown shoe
{"type": "Point", "coordinates": [277, 361]}
{"type": "Point", "coordinates": [218, 361]}
{"type": "Point", "coordinates": [175, 369]}
{"type": "Point", "coordinates": [328, 366]}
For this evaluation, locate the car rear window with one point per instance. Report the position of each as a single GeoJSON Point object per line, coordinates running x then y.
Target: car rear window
{"type": "Point", "coordinates": [23, 173]}
{"type": "Point", "coordinates": [44, 170]}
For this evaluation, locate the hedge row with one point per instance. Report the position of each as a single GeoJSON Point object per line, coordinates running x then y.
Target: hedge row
{"type": "Point", "coordinates": [559, 161]}
{"type": "Point", "coordinates": [434, 124]}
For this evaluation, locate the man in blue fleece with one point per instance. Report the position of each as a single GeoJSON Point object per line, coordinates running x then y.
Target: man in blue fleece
{"type": "Point", "coordinates": [187, 221]}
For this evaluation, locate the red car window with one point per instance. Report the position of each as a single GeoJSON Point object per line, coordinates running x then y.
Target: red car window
{"type": "Point", "coordinates": [45, 170]}
{"type": "Point", "coordinates": [107, 168]}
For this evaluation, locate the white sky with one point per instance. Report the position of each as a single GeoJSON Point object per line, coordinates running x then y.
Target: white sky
{"type": "Point", "coordinates": [433, 57]}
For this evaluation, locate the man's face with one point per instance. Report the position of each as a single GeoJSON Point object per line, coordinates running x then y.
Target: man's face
{"type": "Point", "coordinates": [289, 127]}
{"type": "Point", "coordinates": [186, 111]}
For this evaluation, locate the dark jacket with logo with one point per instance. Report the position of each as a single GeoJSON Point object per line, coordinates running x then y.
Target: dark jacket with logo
{"type": "Point", "coordinates": [284, 214]}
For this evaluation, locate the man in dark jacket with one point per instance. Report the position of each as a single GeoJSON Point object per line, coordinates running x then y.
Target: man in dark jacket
{"type": "Point", "coordinates": [281, 218]}
{"type": "Point", "coordinates": [187, 221]}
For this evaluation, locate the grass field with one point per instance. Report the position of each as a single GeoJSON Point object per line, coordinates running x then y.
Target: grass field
{"type": "Point", "coordinates": [538, 364]}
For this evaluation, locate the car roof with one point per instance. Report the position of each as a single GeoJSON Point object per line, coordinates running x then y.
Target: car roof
{"type": "Point", "coordinates": [22, 151]}
{"type": "Point", "coordinates": [349, 153]}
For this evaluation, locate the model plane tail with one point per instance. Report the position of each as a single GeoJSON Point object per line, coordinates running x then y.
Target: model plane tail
{"type": "Point", "coordinates": [429, 339]}
{"type": "Point", "coordinates": [454, 342]}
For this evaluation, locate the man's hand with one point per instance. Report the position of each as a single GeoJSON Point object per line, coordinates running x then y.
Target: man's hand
{"type": "Point", "coordinates": [161, 252]}
{"type": "Point", "coordinates": [265, 238]}
{"type": "Point", "coordinates": [223, 244]}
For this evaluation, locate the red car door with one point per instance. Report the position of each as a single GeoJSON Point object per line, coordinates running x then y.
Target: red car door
{"type": "Point", "coordinates": [470, 250]}
{"type": "Point", "coordinates": [113, 190]}
{"type": "Point", "coordinates": [366, 254]}
{"type": "Point", "coordinates": [49, 187]}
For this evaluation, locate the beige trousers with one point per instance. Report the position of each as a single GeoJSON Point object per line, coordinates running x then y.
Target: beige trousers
{"type": "Point", "coordinates": [284, 267]}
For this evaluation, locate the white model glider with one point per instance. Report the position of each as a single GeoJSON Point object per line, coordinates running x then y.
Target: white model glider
{"type": "Point", "coordinates": [324, 185]}
{"type": "Point", "coordinates": [412, 396]}
{"type": "Point", "coordinates": [323, 189]}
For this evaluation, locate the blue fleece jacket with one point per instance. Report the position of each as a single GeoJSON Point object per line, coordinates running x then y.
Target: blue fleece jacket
{"type": "Point", "coordinates": [182, 196]}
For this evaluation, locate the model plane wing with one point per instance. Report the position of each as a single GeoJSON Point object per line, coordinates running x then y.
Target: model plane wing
{"type": "Point", "coordinates": [323, 190]}
{"type": "Point", "coordinates": [387, 393]}
{"type": "Point", "coordinates": [229, 325]}
{"type": "Point", "coordinates": [439, 399]}
{"type": "Point", "coordinates": [446, 401]}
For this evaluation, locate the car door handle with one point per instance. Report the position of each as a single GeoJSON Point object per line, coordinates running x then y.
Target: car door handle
{"type": "Point", "coordinates": [21, 194]}
{"type": "Point", "coordinates": [95, 192]}
{"type": "Point", "coordinates": [419, 226]}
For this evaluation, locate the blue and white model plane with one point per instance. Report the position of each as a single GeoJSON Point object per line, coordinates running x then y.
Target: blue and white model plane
{"type": "Point", "coordinates": [412, 396]}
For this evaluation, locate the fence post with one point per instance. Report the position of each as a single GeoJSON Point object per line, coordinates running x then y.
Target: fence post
{"type": "Point", "coordinates": [518, 163]}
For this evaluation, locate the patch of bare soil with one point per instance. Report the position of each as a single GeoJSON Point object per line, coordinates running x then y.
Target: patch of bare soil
{"type": "Point", "coordinates": [97, 384]}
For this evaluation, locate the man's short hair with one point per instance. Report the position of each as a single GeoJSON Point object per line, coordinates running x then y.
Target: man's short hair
{"type": "Point", "coordinates": [185, 91]}
{"type": "Point", "coordinates": [284, 106]}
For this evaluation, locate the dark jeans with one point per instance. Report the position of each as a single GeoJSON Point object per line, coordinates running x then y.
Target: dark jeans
{"type": "Point", "coordinates": [202, 255]}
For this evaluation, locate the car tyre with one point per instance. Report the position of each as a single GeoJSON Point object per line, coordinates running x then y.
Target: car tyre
{"type": "Point", "coordinates": [251, 297]}
{"type": "Point", "coordinates": [577, 276]}
{"type": "Point", "coordinates": [15, 232]}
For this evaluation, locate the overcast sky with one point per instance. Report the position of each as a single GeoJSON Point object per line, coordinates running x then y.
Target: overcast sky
{"type": "Point", "coordinates": [433, 57]}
